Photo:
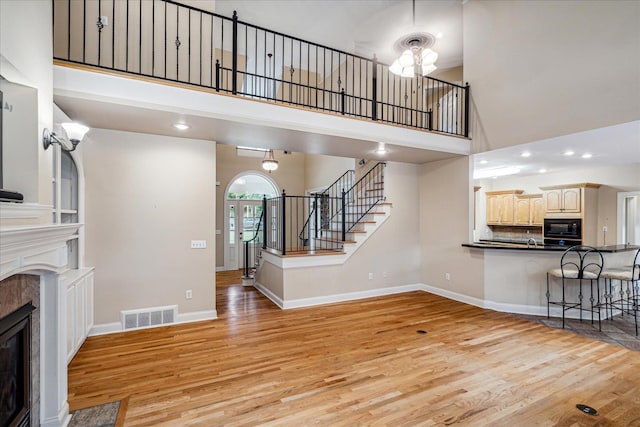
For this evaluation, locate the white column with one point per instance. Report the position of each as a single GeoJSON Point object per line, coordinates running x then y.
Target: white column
{"type": "Point", "coordinates": [54, 408]}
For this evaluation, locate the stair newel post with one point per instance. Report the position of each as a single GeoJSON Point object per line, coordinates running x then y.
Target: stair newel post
{"type": "Point", "coordinates": [264, 224]}
{"type": "Point", "coordinates": [246, 259]}
{"type": "Point", "coordinates": [316, 207]}
{"type": "Point", "coordinates": [466, 110]}
{"type": "Point", "coordinates": [374, 89]}
{"type": "Point", "coordinates": [344, 213]}
{"type": "Point", "coordinates": [234, 54]}
{"type": "Point", "coordinates": [217, 75]}
{"type": "Point", "coordinates": [284, 223]}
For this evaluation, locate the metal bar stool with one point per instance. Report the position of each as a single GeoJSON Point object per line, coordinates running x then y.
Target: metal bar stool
{"type": "Point", "coordinates": [628, 298]}
{"type": "Point", "coordinates": [581, 263]}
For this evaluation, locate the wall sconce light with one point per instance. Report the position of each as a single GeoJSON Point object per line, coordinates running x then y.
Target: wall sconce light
{"type": "Point", "coordinates": [269, 163]}
{"type": "Point", "coordinates": [75, 132]}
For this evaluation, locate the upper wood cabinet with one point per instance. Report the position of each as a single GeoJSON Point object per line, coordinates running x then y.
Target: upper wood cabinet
{"type": "Point", "coordinates": [568, 200]}
{"type": "Point", "coordinates": [537, 210]}
{"type": "Point", "coordinates": [501, 207]}
{"type": "Point", "coordinates": [564, 200]}
{"type": "Point", "coordinates": [529, 209]}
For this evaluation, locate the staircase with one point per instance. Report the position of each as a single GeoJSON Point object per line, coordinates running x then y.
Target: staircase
{"type": "Point", "coordinates": [363, 206]}
{"type": "Point", "coordinates": [339, 220]}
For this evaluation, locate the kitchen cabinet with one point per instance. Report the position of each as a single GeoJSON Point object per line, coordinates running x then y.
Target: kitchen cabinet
{"type": "Point", "coordinates": [529, 209]}
{"type": "Point", "coordinates": [567, 200]}
{"type": "Point", "coordinates": [537, 210]}
{"type": "Point", "coordinates": [573, 201]}
{"type": "Point", "coordinates": [501, 207]}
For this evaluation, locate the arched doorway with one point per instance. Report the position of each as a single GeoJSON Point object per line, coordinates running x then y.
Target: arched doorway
{"type": "Point", "coordinates": [243, 207]}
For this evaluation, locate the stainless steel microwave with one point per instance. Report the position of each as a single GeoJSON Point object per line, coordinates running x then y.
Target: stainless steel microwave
{"type": "Point", "coordinates": [563, 231]}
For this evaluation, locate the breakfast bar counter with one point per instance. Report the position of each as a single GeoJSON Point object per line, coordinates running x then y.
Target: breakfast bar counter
{"type": "Point", "coordinates": [514, 275]}
{"type": "Point", "coordinates": [500, 245]}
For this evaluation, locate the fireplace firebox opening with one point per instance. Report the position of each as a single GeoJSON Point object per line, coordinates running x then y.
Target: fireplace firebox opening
{"type": "Point", "coordinates": [15, 367]}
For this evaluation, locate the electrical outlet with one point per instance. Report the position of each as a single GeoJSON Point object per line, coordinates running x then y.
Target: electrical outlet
{"type": "Point", "coordinates": [370, 276]}
{"type": "Point", "coordinates": [188, 294]}
{"type": "Point", "coordinates": [198, 244]}
{"type": "Point", "coordinates": [605, 229]}
{"type": "Point", "coordinates": [447, 276]}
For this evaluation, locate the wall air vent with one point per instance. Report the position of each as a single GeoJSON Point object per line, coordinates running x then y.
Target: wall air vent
{"type": "Point", "coordinates": [148, 317]}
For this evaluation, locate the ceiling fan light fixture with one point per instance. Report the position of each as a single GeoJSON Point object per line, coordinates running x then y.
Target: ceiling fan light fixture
{"type": "Point", "coordinates": [429, 57]}
{"type": "Point", "coordinates": [417, 55]}
{"type": "Point", "coordinates": [428, 68]}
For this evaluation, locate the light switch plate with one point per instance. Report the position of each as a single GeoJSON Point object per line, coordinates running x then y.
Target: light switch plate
{"type": "Point", "coordinates": [198, 244]}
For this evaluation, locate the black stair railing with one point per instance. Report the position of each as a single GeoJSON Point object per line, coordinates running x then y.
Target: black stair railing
{"type": "Point", "coordinates": [324, 206]}
{"type": "Point", "coordinates": [166, 40]}
{"type": "Point", "coordinates": [252, 248]}
{"type": "Point", "coordinates": [285, 218]}
{"type": "Point", "coordinates": [362, 197]}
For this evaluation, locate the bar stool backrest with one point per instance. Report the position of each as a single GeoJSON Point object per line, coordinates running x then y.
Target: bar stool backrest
{"type": "Point", "coordinates": [635, 273]}
{"type": "Point", "coordinates": [582, 262]}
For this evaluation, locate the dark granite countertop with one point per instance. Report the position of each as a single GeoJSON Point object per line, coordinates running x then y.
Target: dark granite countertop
{"type": "Point", "coordinates": [489, 244]}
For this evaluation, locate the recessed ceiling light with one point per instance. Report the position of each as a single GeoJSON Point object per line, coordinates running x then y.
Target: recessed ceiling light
{"type": "Point", "coordinates": [381, 151]}
{"type": "Point", "coordinates": [439, 35]}
{"type": "Point", "coordinates": [484, 162]}
{"type": "Point", "coordinates": [525, 154]}
{"type": "Point", "coordinates": [569, 153]}
{"type": "Point", "coordinates": [587, 155]}
{"type": "Point", "coordinates": [181, 126]}
{"type": "Point", "coordinates": [542, 171]}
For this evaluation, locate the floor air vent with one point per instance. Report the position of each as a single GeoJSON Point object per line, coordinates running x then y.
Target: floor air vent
{"type": "Point", "coordinates": [146, 317]}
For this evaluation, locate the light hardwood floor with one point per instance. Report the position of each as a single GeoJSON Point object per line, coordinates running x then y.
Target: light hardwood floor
{"type": "Point", "coordinates": [357, 364]}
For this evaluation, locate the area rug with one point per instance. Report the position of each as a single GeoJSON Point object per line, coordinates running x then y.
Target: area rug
{"type": "Point", "coordinates": [96, 416]}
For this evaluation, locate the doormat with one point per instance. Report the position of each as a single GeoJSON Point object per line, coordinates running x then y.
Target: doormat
{"type": "Point", "coordinates": [104, 415]}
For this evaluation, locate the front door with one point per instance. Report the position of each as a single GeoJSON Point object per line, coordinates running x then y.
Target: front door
{"type": "Point", "coordinates": [241, 222]}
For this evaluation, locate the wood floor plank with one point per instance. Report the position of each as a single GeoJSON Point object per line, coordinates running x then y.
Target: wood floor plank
{"type": "Point", "coordinates": [356, 363]}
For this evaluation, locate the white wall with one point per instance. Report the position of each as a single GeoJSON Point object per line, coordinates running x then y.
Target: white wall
{"type": "Point", "coordinates": [540, 69]}
{"type": "Point", "coordinates": [321, 171]}
{"type": "Point", "coordinates": [147, 197]}
{"type": "Point", "coordinates": [25, 42]}
{"type": "Point", "coordinates": [445, 222]}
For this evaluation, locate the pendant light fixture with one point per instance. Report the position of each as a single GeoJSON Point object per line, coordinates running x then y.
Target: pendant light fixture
{"type": "Point", "coordinates": [417, 58]}
{"type": "Point", "coordinates": [269, 163]}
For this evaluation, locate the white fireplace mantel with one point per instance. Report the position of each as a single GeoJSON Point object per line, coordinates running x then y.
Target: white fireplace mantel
{"type": "Point", "coordinates": [42, 250]}
{"type": "Point", "coordinates": [35, 247]}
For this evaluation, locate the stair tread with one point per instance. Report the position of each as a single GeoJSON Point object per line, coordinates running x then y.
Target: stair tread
{"type": "Point", "coordinates": [325, 239]}
{"type": "Point", "coordinates": [340, 231]}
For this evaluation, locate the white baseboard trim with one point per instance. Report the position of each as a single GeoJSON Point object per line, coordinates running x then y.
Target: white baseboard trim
{"type": "Point", "coordinates": [453, 295]}
{"type": "Point", "coordinates": [194, 316]}
{"type": "Point", "coordinates": [220, 268]}
{"type": "Point", "coordinates": [105, 328]}
{"type": "Point", "coordinates": [533, 310]}
{"type": "Point", "coordinates": [61, 420]}
{"type": "Point", "coordinates": [350, 296]}
{"type": "Point", "coordinates": [197, 316]}
{"type": "Point", "coordinates": [267, 293]}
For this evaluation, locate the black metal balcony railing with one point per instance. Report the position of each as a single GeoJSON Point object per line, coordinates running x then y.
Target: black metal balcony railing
{"type": "Point", "coordinates": [170, 41]}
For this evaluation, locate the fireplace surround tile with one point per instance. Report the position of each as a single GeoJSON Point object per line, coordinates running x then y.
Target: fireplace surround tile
{"type": "Point", "coordinates": [16, 291]}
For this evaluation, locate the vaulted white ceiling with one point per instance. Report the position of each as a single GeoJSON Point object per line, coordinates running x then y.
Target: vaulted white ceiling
{"type": "Point", "coordinates": [362, 27]}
